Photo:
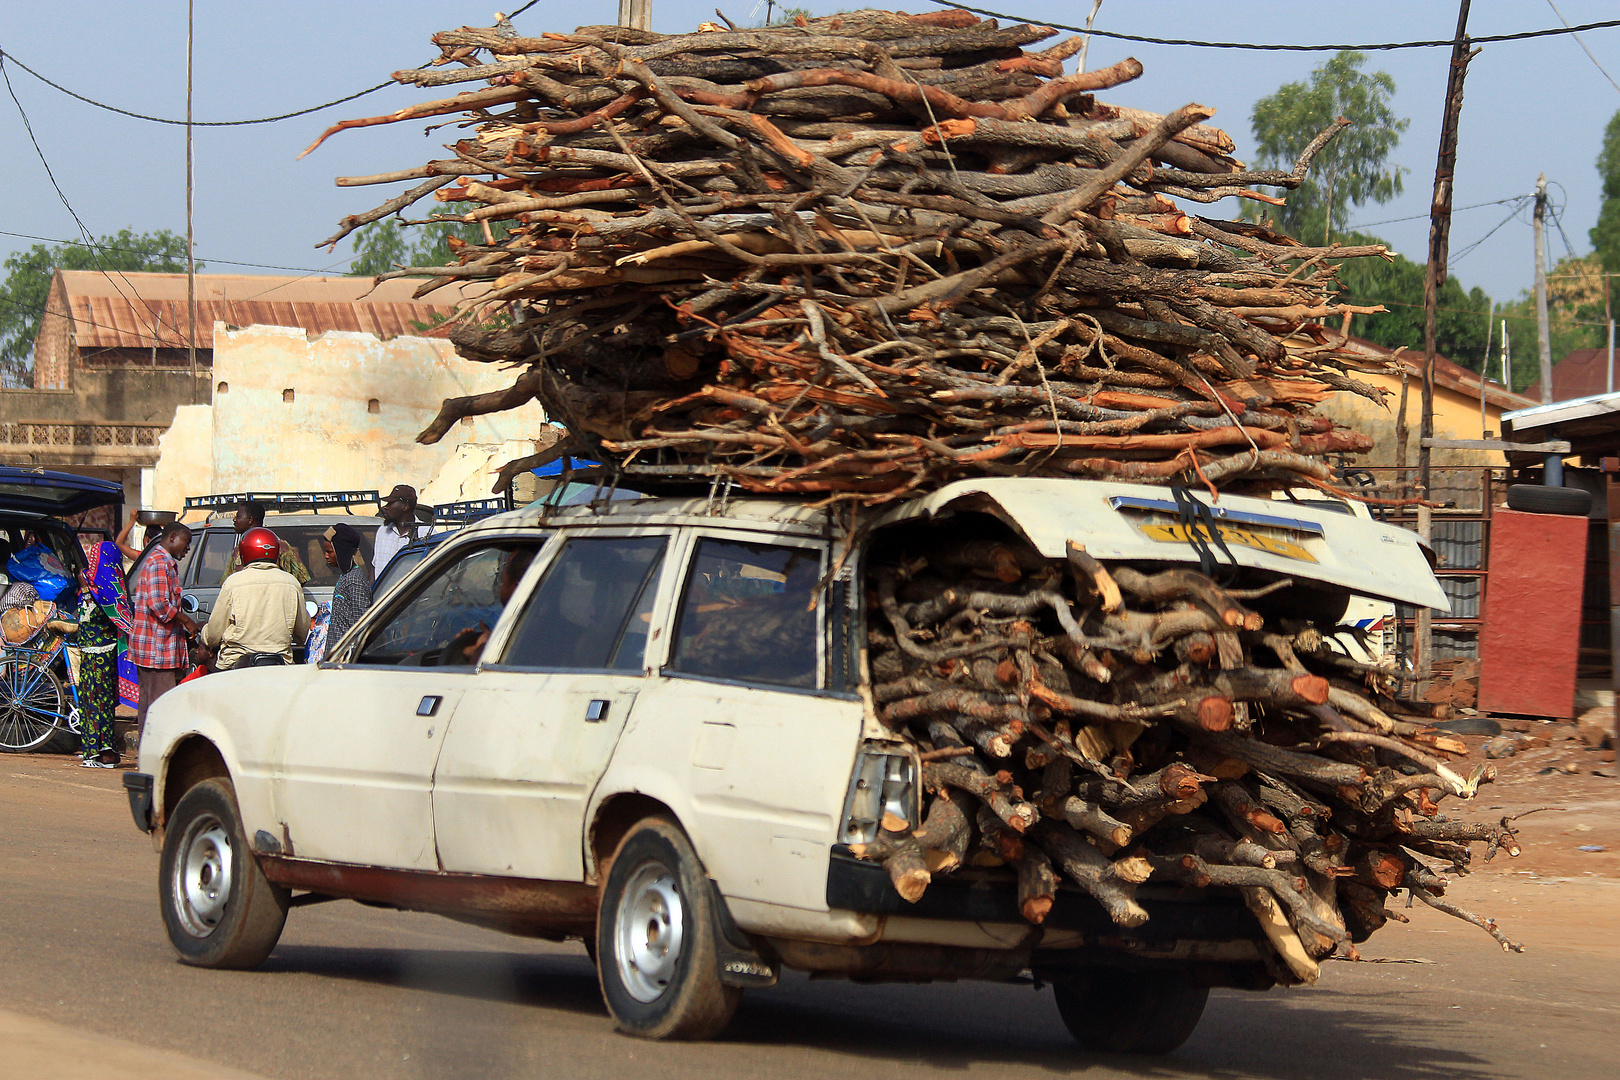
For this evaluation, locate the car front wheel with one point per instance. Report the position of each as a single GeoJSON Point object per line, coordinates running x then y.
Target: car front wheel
{"type": "Point", "coordinates": [1131, 1012]}
{"type": "Point", "coordinates": [655, 939]}
{"type": "Point", "coordinates": [218, 908]}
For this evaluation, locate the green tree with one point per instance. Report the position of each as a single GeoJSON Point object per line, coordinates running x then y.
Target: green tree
{"type": "Point", "coordinates": [1605, 235]}
{"type": "Point", "coordinates": [390, 243]}
{"type": "Point", "coordinates": [1352, 169]}
{"type": "Point", "coordinates": [28, 283]}
{"type": "Point", "coordinates": [1459, 328]}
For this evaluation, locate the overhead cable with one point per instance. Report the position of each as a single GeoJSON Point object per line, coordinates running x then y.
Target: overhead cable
{"type": "Point", "coordinates": [1434, 43]}
{"type": "Point", "coordinates": [5, 56]}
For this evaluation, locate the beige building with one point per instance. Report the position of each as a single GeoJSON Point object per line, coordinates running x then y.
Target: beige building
{"type": "Point", "coordinates": [337, 411]}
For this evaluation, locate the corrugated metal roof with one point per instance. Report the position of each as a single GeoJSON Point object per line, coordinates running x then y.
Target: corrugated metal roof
{"type": "Point", "coordinates": [140, 310]}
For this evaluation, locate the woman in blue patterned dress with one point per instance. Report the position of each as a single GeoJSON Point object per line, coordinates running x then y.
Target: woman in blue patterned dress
{"type": "Point", "coordinates": [105, 620]}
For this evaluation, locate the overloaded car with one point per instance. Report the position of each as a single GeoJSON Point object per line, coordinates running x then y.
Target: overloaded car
{"type": "Point", "coordinates": [650, 725]}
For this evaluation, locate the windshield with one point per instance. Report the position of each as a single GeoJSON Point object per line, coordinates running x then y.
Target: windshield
{"type": "Point", "coordinates": [403, 563]}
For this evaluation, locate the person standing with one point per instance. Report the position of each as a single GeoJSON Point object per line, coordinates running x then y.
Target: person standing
{"type": "Point", "coordinates": [157, 643]}
{"type": "Point", "coordinates": [351, 594]}
{"type": "Point", "coordinates": [105, 623]}
{"type": "Point", "coordinates": [398, 528]}
{"type": "Point", "coordinates": [260, 609]}
{"type": "Point", "coordinates": [250, 515]}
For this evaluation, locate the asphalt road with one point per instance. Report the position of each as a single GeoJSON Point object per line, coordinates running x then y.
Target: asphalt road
{"type": "Point", "coordinates": [89, 988]}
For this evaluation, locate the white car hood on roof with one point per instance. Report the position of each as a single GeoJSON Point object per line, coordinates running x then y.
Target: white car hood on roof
{"type": "Point", "coordinates": [1367, 557]}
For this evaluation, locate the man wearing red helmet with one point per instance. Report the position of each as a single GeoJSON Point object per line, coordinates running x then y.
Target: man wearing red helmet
{"type": "Point", "coordinates": [260, 611]}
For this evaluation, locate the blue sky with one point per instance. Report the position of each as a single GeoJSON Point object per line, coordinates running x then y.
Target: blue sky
{"type": "Point", "coordinates": [1531, 106]}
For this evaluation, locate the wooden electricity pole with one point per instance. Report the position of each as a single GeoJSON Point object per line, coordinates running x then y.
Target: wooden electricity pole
{"type": "Point", "coordinates": [636, 14]}
{"type": "Point", "coordinates": [1543, 336]}
{"type": "Point", "coordinates": [191, 260]}
{"type": "Point", "coordinates": [1434, 276]}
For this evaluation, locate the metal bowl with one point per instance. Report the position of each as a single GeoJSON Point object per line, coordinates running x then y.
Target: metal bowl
{"type": "Point", "coordinates": [151, 518]}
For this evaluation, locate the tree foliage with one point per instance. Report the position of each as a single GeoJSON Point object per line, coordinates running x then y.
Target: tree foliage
{"type": "Point", "coordinates": [1460, 321]}
{"type": "Point", "coordinates": [1352, 169]}
{"type": "Point", "coordinates": [28, 284]}
{"type": "Point", "coordinates": [1574, 318]}
{"type": "Point", "coordinates": [391, 243]}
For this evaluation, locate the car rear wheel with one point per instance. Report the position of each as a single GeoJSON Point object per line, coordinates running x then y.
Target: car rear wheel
{"type": "Point", "coordinates": [655, 939]}
{"type": "Point", "coordinates": [1131, 1012]}
{"type": "Point", "coordinates": [218, 907]}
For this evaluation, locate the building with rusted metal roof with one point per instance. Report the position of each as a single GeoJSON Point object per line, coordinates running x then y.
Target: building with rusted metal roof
{"type": "Point", "coordinates": [111, 362]}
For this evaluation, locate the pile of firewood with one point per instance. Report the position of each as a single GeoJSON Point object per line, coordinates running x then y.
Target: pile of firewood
{"type": "Point", "coordinates": [1111, 726]}
{"type": "Point", "coordinates": [867, 254]}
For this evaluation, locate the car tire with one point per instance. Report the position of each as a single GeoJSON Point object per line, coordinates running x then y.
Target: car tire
{"type": "Point", "coordinates": [1536, 499]}
{"type": "Point", "coordinates": [218, 907]}
{"type": "Point", "coordinates": [1131, 1012]}
{"type": "Point", "coordinates": [655, 939]}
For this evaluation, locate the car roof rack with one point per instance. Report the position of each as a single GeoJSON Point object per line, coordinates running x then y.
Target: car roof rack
{"type": "Point", "coordinates": [469, 510]}
{"type": "Point", "coordinates": [285, 500]}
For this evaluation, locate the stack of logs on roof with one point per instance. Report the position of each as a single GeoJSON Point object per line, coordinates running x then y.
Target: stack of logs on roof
{"type": "Point", "coordinates": [1114, 727]}
{"type": "Point", "coordinates": [867, 254]}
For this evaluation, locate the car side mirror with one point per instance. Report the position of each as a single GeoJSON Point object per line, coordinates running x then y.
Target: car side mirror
{"type": "Point", "coordinates": [188, 603]}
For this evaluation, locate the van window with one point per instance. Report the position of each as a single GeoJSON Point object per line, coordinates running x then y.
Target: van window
{"type": "Point", "coordinates": [447, 622]}
{"type": "Point", "coordinates": [593, 608]}
{"type": "Point", "coordinates": [746, 614]}
{"type": "Point", "coordinates": [211, 550]}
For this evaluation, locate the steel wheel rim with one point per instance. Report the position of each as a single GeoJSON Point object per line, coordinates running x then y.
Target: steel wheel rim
{"type": "Point", "coordinates": [202, 876]}
{"type": "Point", "coordinates": [650, 929]}
{"type": "Point", "coordinates": [29, 702]}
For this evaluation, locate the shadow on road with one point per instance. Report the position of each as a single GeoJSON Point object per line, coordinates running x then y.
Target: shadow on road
{"type": "Point", "coordinates": [559, 981]}
{"type": "Point", "coordinates": [1323, 1033]}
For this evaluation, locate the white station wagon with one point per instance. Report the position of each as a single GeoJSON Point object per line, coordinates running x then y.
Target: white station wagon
{"type": "Point", "coordinates": [646, 724]}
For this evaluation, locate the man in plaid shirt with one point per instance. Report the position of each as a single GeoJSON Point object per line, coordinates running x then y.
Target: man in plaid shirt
{"type": "Point", "coordinates": [157, 647]}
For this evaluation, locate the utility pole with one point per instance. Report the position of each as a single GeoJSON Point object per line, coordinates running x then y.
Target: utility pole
{"type": "Point", "coordinates": [1485, 366]}
{"type": "Point", "coordinates": [636, 14]}
{"type": "Point", "coordinates": [1434, 276]}
{"type": "Point", "coordinates": [191, 261]}
{"type": "Point", "coordinates": [1543, 340]}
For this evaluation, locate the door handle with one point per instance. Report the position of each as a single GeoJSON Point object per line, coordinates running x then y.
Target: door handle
{"type": "Point", "coordinates": [429, 705]}
{"type": "Point", "coordinates": [596, 711]}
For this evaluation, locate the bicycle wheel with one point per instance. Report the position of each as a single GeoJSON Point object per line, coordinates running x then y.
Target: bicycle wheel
{"type": "Point", "coordinates": [33, 708]}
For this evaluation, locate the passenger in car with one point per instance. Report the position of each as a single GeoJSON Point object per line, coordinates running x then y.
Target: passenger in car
{"type": "Point", "coordinates": [250, 515]}
{"type": "Point", "coordinates": [467, 647]}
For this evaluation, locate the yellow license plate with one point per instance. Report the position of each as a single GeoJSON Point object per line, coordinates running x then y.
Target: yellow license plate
{"type": "Point", "coordinates": [1176, 533]}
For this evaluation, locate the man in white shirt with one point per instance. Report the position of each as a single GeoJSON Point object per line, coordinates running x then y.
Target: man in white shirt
{"type": "Point", "coordinates": [398, 528]}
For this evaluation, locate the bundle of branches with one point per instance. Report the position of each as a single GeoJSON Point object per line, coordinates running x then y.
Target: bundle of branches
{"type": "Point", "coordinates": [871, 253]}
{"type": "Point", "coordinates": [1112, 726]}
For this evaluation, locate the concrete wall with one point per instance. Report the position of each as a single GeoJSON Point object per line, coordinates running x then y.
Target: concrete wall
{"type": "Point", "coordinates": [337, 411]}
{"type": "Point", "coordinates": [185, 460]}
{"type": "Point", "coordinates": [126, 395]}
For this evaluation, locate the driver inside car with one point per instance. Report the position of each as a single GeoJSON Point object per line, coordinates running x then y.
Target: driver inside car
{"type": "Point", "coordinates": [467, 647]}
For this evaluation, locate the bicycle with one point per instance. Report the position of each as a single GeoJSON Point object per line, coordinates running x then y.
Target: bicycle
{"type": "Point", "coordinates": [37, 705]}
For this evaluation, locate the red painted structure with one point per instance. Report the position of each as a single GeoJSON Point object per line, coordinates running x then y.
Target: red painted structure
{"type": "Point", "coordinates": [1530, 642]}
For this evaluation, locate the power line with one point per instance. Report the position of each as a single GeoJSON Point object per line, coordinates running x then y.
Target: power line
{"type": "Point", "coordinates": [1582, 44]}
{"type": "Point", "coordinates": [1469, 250]}
{"type": "Point", "coordinates": [1379, 47]}
{"type": "Point", "coordinates": [4, 56]}
{"type": "Point", "coordinates": [83, 230]}
{"type": "Point", "coordinates": [1425, 216]}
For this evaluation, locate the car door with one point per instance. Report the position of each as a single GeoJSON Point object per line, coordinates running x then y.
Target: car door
{"type": "Point", "coordinates": [748, 723]}
{"type": "Point", "coordinates": [535, 729]}
{"type": "Point", "coordinates": [354, 783]}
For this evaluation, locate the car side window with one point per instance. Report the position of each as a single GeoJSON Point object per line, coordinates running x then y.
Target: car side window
{"type": "Point", "coordinates": [746, 614]}
{"type": "Point", "coordinates": [448, 620]}
{"type": "Point", "coordinates": [211, 555]}
{"type": "Point", "coordinates": [593, 608]}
